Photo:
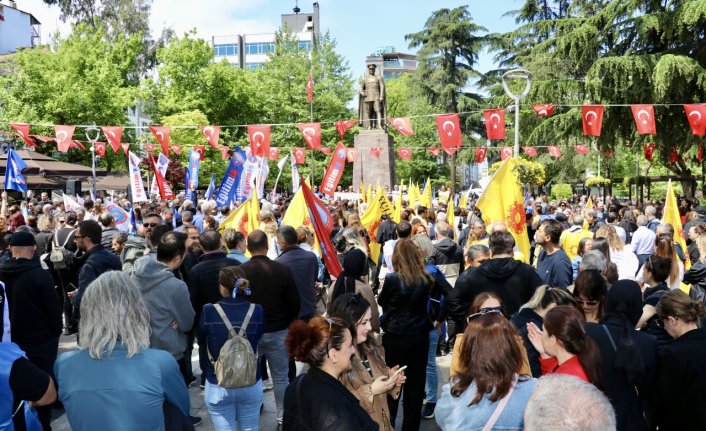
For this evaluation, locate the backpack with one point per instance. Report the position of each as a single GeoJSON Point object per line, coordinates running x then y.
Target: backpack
{"type": "Point", "coordinates": [59, 256]}
{"type": "Point", "coordinates": [236, 366]}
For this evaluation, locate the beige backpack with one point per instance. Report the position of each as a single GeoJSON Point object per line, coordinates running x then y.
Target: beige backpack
{"type": "Point", "coordinates": [236, 366]}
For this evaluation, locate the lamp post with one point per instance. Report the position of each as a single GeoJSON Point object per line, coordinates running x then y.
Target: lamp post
{"type": "Point", "coordinates": [517, 74]}
{"type": "Point", "coordinates": [92, 134]}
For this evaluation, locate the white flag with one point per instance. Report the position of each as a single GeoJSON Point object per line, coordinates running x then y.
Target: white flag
{"type": "Point", "coordinates": [295, 175]}
{"type": "Point", "coordinates": [282, 162]}
{"type": "Point", "coordinates": [136, 185]}
{"type": "Point", "coordinates": [262, 176]}
{"type": "Point", "coordinates": [70, 204]}
{"type": "Point", "coordinates": [121, 217]}
{"type": "Point", "coordinates": [162, 164]}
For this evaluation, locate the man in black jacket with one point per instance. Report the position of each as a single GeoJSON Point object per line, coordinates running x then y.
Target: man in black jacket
{"type": "Point", "coordinates": [108, 224]}
{"type": "Point", "coordinates": [273, 287]}
{"type": "Point", "coordinates": [304, 267]}
{"type": "Point", "coordinates": [33, 308]}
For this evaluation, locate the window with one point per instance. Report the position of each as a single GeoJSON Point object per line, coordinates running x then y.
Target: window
{"type": "Point", "coordinates": [259, 47]}
{"type": "Point", "coordinates": [391, 63]}
{"type": "Point", "coordinates": [225, 49]}
{"type": "Point", "coordinates": [305, 44]}
{"type": "Point", "coordinates": [254, 66]}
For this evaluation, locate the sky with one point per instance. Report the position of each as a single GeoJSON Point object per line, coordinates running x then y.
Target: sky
{"type": "Point", "coordinates": [359, 27]}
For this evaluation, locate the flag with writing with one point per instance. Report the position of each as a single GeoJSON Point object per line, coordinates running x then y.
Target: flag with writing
{"type": "Point", "coordinates": [14, 180]}
{"type": "Point", "coordinates": [322, 221]}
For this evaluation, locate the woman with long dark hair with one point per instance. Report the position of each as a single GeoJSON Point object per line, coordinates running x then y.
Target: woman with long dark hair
{"type": "Point", "coordinates": [404, 297]}
{"type": "Point", "coordinates": [351, 281]}
{"type": "Point", "coordinates": [590, 289]}
{"type": "Point", "coordinates": [564, 347]}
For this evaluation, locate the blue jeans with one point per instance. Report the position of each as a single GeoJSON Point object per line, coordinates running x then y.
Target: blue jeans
{"type": "Point", "coordinates": [272, 346]}
{"type": "Point", "coordinates": [432, 384]}
{"type": "Point", "coordinates": [228, 406]}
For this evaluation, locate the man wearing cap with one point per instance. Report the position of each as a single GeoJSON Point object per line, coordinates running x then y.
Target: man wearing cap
{"type": "Point", "coordinates": [33, 308]}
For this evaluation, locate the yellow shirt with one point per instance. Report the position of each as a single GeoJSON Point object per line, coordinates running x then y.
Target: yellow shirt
{"type": "Point", "coordinates": [570, 239]}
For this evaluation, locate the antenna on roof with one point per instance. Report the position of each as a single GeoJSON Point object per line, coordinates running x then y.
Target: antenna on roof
{"type": "Point", "coordinates": [296, 7]}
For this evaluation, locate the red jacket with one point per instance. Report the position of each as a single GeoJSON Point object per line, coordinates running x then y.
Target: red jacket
{"type": "Point", "coordinates": [571, 367]}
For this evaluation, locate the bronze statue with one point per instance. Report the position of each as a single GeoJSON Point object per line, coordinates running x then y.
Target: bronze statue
{"type": "Point", "coordinates": [372, 108]}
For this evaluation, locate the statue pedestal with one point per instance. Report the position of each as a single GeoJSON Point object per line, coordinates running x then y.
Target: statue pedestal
{"type": "Point", "coordinates": [371, 169]}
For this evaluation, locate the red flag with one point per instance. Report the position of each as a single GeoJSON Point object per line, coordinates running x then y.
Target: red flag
{"type": "Point", "coordinates": [326, 151]}
{"type": "Point", "coordinates": [224, 151]}
{"type": "Point", "coordinates": [161, 134]}
{"type": "Point", "coordinates": [674, 157]}
{"type": "Point", "coordinates": [274, 153]}
{"type": "Point", "coordinates": [403, 125]}
{"type": "Point", "coordinates": [608, 152]}
{"type": "Point", "coordinates": [544, 110]}
{"type": "Point", "coordinates": [700, 153]}
{"type": "Point", "coordinates": [113, 134]}
{"type": "Point", "coordinates": [299, 155]}
{"type": "Point", "coordinates": [375, 151]}
{"type": "Point", "coordinates": [165, 191]}
{"type": "Point", "coordinates": [212, 134]}
{"type": "Point", "coordinates": [554, 151]}
{"type": "Point", "coordinates": [100, 148]}
{"type": "Point", "coordinates": [644, 116]}
{"type": "Point", "coordinates": [592, 119]}
{"type": "Point", "coordinates": [404, 153]}
{"type": "Point", "coordinates": [505, 153]}
{"type": "Point", "coordinates": [581, 149]}
{"type": "Point", "coordinates": [77, 144]}
{"type": "Point", "coordinates": [259, 140]}
{"type": "Point", "coordinates": [351, 155]}
{"type": "Point", "coordinates": [449, 132]}
{"type": "Point", "coordinates": [150, 147]}
{"type": "Point", "coordinates": [649, 149]}
{"type": "Point", "coordinates": [22, 131]}
{"type": "Point", "coordinates": [480, 154]}
{"type": "Point", "coordinates": [334, 171]}
{"type": "Point", "coordinates": [696, 114]}
{"type": "Point", "coordinates": [175, 148]}
{"type": "Point", "coordinates": [44, 139]}
{"type": "Point", "coordinates": [312, 135]}
{"type": "Point", "coordinates": [494, 123]}
{"type": "Point", "coordinates": [64, 135]}
{"type": "Point", "coordinates": [530, 151]}
{"type": "Point", "coordinates": [342, 126]}
{"type": "Point", "coordinates": [310, 89]}
{"type": "Point", "coordinates": [434, 151]}
{"type": "Point", "coordinates": [126, 148]}
{"type": "Point", "coordinates": [202, 151]}
{"type": "Point", "coordinates": [323, 225]}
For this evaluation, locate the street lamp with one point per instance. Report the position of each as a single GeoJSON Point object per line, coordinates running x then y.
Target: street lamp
{"type": "Point", "coordinates": [92, 134]}
{"type": "Point", "coordinates": [517, 74]}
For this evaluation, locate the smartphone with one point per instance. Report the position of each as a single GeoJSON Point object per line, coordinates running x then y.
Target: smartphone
{"type": "Point", "coordinates": [70, 287]}
{"type": "Point", "coordinates": [399, 370]}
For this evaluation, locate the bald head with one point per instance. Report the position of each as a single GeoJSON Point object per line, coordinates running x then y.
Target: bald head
{"type": "Point", "coordinates": [257, 243]}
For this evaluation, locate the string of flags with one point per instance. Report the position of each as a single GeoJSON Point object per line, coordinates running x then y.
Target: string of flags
{"type": "Point", "coordinates": [448, 128]}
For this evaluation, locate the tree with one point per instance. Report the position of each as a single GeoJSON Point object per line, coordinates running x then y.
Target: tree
{"type": "Point", "coordinates": [448, 51]}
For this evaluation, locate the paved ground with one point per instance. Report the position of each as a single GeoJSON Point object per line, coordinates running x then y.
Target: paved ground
{"type": "Point", "coordinates": [268, 417]}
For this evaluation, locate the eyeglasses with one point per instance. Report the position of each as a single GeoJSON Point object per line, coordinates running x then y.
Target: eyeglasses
{"type": "Point", "coordinates": [150, 224]}
{"type": "Point", "coordinates": [660, 322]}
{"type": "Point", "coordinates": [485, 310]}
{"type": "Point", "coordinates": [590, 302]}
{"type": "Point", "coordinates": [79, 236]}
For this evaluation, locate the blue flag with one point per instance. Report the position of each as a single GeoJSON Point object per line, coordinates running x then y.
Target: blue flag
{"type": "Point", "coordinates": [133, 221]}
{"type": "Point", "coordinates": [231, 179]}
{"type": "Point", "coordinates": [14, 180]}
{"type": "Point", "coordinates": [211, 187]}
{"type": "Point", "coordinates": [176, 216]}
{"type": "Point", "coordinates": [188, 193]}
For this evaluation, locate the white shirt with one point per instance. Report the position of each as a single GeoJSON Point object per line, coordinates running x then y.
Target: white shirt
{"type": "Point", "coordinates": [643, 241]}
{"type": "Point", "coordinates": [626, 261]}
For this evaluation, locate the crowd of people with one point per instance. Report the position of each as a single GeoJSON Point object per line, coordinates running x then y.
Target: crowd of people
{"type": "Point", "coordinates": [593, 330]}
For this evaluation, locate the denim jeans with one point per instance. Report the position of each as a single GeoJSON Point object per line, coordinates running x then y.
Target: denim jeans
{"type": "Point", "coordinates": [272, 346]}
{"type": "Point", "coordinates": [228, 406]}
{"type": "Point", "coordinates": [432, 384]}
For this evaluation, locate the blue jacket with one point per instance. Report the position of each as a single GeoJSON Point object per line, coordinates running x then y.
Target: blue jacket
{"type": "Point", "coordinates": [95, 262]}
{"type": "Point", "coordinates": [118, 392]}
{"type": "Point", "coordinates": [454, 413]}
{"type": "Point", "coordinates": [212, 328]}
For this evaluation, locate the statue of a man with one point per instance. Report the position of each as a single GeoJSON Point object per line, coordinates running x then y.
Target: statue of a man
{"type": "Point", "coordinates": [371, 101]}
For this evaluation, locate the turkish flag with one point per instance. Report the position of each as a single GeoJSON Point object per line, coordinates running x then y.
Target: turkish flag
{"type": "Point", "coordinates": [310, 89]}
{"type": "Point", "coordinates": [224, 151]}
{"type": "Point", "coordinates": [530, 151]}
{"type": "Point", "coordinates": [649, 150]}
{"type": "Point", "coordinates": [351, 155]}
{"type": "Point", "coordinates": [644, 116]}
{"type": "Point", "coordinates": [480, 154]}
{"type": "Point", "coordinates": [700, 153]}
{"type": "Point", "coordinates": [299, 155]}
{"type": "Point", "coordinates": [64, 135]}
{"type": "Point", "coordinates": [505, 153]}
{"type": "Point", "coordinates": [581, 149]}
{"type": "Point", "coordinates": [202, 151]}
{"type": "Point", "coordinates": [175, 148]}
{"type": "Point", "coordinates": [77, 144]}
{"type": "Point", "coordinates": [544, 110]}
{"type": "Point", "coordinates": [592, 116]}
{"type": "Point", "coordinates": [674, 157]}
{"type": "Point", "coordinates": [312, 135]}
{"type": "Point", "coordinates": [212, 134]}
{"type": "Point", "coordinates": [554, 151]}
{"type": "Point", "coordinates": [126, 148]}
{"type": "Point", "coordinates": [259, 140]}
{"type": "Point", "coordinates": [334, 171]}
{"type": "Point", "coordinates": [22, 131]}
{"type": "Point", "coordinates": [100, 148]}
{"type": "Point", "coordinates": [113, 134]}
{"type": "Point", "coordinates": [494, 123]}
{"type": "Point", "coordinates": [150, 147]}
{"type": "Point", "coordinates": [449, 132]}
{"type": "Point", "coordinates": [696, 114]}
{"type": "Point", "coordinates": [165, 191]}
{"type": "Point", "coordinates": [342, 126]}
{"type": "Point", "coordinates": [434, 151]}
{"type": "Point", "coordinates": [326, 151]}
{"type": "Point", "coordinates": [608, 152]}
{"type": "Point", "coordinates": [274, 153]}
{"type": "Point", "coordinates": [375, 151]}
{"type": "Point", "coordinates": [403, 125]}
{"type": "Point", "coordinates": [161, 134]}
{"type": "Point", "coordinates": [404, 153]}
{"type": "Point", "coordinates": [322, 222]}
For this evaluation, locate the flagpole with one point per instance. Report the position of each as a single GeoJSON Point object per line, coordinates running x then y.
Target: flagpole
{"type": "Point", "coordinates": [274, 189]}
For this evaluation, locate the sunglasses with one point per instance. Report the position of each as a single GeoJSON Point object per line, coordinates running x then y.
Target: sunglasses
{"type": "Point", "coordinates": [328, 342]}
{"type": "Point", "coordinates": [150, 224]}
{"type": "Point", "coordinates": [485, 310]}
{"type": "Point", "coordinates": [589, 302]}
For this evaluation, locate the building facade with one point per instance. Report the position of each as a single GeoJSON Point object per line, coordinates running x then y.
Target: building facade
{"type": "Point", "coordinates": [390, 63]}
{"type": "Point", "coordinates": [18, 29]}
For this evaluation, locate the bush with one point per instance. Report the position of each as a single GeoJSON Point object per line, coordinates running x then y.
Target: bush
{"type": "Point", "coordinates": [597, 182]}
{"type": "Point", "coordinates": [561, 191]}
{"type": "Point", "coordinates": [531, 173]}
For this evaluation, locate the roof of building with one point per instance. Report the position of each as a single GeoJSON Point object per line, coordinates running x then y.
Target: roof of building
{"type": "Point", "coordinates": [32, 19]}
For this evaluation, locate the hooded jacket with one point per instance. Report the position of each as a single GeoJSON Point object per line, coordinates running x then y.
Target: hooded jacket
{"type": "Point", "coordinates": [134, 249]}
{"type": "Point", "coordinates": [513, 281]}
{"type": "Point", "coordinates": [448, 257]}
{"type": "Point", "coordinates": [167, 300]}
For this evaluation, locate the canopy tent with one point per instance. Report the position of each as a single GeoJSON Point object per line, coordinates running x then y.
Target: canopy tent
{"type": "Point", "coordinates": [44, 172]}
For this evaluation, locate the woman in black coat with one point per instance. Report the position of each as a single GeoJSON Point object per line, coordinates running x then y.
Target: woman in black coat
{"type": "Point", "coordinates": [629, 356]}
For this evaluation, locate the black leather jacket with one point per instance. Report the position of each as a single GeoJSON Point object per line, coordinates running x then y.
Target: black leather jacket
{"type": "Point", "coordinates": [404, 307]}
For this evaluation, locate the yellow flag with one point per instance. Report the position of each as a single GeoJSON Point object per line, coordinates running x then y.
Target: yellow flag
{"type": "Point", "coordinates": [450, 217]}
{"type": "Point", "coordinates": [463, 202]}
{"type": "Point", "coordinates": [362, 192]}
{"type": "Point", "coordinates": [412, 195]}
{"type": "Point", "coordinates": [502, 201]}
{"type": "Point", "coordinates": [397, 211]}
{"type": "Point", "coordinates": [589, 204]}
{"type": "Point", "coordinates": [671, 216]}
{"type": "Point", "coordinates": [426, 199]}
{"type": "Point", "coordinates": [244, 219]}
{"type": "Point", "coordinates": [297, 214]}
{"type": "Point", "coordinates": [370, 193]}
{"type": "Point", "coordinates": [371, 220]}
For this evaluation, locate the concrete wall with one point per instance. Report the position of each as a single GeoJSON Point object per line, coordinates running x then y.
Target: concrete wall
{"type": "Point", "coordinates": [15, 31]}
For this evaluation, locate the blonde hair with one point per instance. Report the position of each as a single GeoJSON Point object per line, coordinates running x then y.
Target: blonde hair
{"type": "Point", "coordinates": [611, 235]}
